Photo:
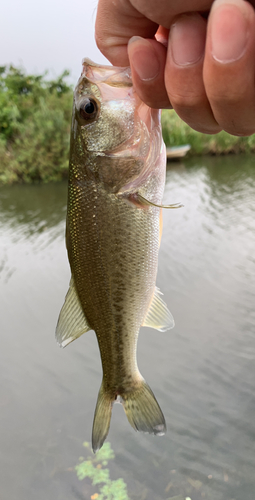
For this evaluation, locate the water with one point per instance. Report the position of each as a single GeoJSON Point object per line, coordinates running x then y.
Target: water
{"type": "Point", "coordinates": [202, 372]}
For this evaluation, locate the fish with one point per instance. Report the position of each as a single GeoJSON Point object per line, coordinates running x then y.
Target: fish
{"type": "Point", "coordinates": [113, 230]}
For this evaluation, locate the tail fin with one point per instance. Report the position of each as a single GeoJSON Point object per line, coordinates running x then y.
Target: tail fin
{"type": "Point", "coordinates": [142, 410]}
{"type": "Point", "coordinates": [102, 418]}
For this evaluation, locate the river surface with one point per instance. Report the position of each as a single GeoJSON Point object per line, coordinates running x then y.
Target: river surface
{"type": "Point", "coordinates": [202, 372]}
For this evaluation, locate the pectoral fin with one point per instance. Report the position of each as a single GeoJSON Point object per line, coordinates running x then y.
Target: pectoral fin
{"type": "Point", "coordinates": [144, 202]}
{"type": "Point", "coordinates": [158, 316]}
{"type": "Point", "coordinates": [71, 322]}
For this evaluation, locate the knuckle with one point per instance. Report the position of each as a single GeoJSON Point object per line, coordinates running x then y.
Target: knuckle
{"type": "Point", "coordinates": [223, 100]}
{"type": "Point", "coordinates": [100, 41]}
{"type": "Point", "coordinates": [227, 95]}
{"type": "Point", "coordinates": [186, 101]}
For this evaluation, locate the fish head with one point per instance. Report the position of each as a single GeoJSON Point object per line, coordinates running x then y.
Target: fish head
{"type": "Point", "coordinates": [112, 124]}
{"type": "Point", "coordinates": [104, 107]}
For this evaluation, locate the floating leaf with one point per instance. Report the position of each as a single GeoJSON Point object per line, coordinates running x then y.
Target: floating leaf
{"type": "Point", "coordinates": [94, 469]}
{"type": "Point", "coordinates": [105, 453]}
{"type": "Point", "coordinates": [85, 469]}
{"type": "Point", "coordinates": [100, 476]}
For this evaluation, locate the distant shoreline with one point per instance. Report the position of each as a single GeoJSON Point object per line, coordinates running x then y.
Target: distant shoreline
{"type": "Point", "coordinates": [35, 120]}
{"type": "Point", "coordinates": [176, 133]}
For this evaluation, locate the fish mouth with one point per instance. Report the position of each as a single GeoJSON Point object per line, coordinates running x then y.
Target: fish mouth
{"type": "Point", "coordinates": [114, 76]}
{"type": "Point", "coordinates": [119, 77]}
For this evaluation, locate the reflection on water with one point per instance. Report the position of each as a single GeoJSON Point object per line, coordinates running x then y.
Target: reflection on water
{"type": "Point", "coordinates": [31, 218]}
{"type": "Point", "coordinates": [203, 371]}
{"type": "Point", "coordinates": [31, 209]}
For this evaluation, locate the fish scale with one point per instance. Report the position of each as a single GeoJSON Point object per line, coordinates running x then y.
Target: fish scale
{"type": "Point", "coordinates": [122, 261]}
{"type": "Point", "coordinates": [116, 182]}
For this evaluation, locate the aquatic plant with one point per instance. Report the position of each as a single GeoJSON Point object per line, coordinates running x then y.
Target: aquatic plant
{"type": "Point", "coordinates": [95, 469]}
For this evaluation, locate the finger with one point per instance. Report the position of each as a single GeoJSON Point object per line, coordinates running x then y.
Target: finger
{"type": "Point", "coordinates": [229, 65]}
{"type": "Point", "coordinates": [118, 21]}
{"type": "Point", "coordinates": [147, 61]}
{"type": "Point", "coordinates": [184, 73]}
{"type": "Point", "coordinates": [164, 11]}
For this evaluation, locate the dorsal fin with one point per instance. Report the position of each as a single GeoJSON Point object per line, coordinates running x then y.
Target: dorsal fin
{"type": "Point", "coordinates": [158, 316]}
{"type": "Point", "coordinates": [72, 322]}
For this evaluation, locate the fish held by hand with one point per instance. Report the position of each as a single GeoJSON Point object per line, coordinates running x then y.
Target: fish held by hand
{"type": "Point", "coordinates": [116, 183]}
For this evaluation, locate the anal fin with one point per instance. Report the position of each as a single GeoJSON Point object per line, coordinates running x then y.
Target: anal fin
{"type": "Point", "coordinates": [72, 322]}
{"type": "Point", "coordinates": [158, 315]}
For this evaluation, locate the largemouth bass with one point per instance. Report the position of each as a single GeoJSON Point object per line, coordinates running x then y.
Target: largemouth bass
{"type": "Point", "coordinates": [116, 183]}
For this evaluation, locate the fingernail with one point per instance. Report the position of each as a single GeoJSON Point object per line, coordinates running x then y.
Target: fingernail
{"type": "Point", "coordinates": [143, 58]}
{"type": "Point", "coordinates": [229, 32]}
{"type": "Point", "coordinates": [187, 39]}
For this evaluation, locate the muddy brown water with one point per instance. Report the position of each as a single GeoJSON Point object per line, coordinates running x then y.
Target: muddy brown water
{"type": "Point", "coordinates": [202, 371]}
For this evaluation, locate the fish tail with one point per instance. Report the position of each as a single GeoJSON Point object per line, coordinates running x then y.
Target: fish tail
{"type": "Point", "coordinates": [102, 418]}
{"type": "Point", "coordinates": [143, 411]}
{"type": "Point", "coordinates": [141, 407]}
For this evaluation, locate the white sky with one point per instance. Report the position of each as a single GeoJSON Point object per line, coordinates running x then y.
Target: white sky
{"type": "Point", "coordinates": [48, 34]}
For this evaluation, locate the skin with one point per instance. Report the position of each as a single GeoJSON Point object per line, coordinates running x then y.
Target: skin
{"type": "Point", "coordinates": [197, 56]}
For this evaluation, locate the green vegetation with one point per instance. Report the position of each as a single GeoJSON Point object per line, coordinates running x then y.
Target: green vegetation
{"type": "Point", "coordinates": [35, 117]}
{"type": "Point", "coordinates": [95, 469]}
{"type": "Point", "coordinates": [176, 132]}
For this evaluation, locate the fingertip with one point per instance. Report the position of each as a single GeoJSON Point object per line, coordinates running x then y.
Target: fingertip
{"type": "Point", "coordinates": [229, 28]}
{"type": "Point", "coordinates": [187, 39]}
{"type": "Point", "coordinates": [184, 73]}
{"type": "Point", "coordinates": [143, 58]}
{"type": "Point", "coordinates": [147, 59]}
{"type": "Point", "coordinates": [229, 65]}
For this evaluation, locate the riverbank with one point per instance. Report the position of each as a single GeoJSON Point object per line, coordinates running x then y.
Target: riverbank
{"type": "Point", "coordinates": [35, 118]}
{"type": "Point", "coordinates": [176, 132]}
{"type": "Point", "coordinates": [41, 153]}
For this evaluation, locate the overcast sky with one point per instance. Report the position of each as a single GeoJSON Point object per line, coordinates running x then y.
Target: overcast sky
{"type": "Point", "coordinates": [48, 34]}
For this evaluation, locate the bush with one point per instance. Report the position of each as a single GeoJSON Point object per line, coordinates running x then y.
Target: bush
{"type": "Point", "coordinates": [35, 119]}
{"type": "Point", "coordinates": [176, 132]}
{"type": "Point", "coordinates": [35, 116]}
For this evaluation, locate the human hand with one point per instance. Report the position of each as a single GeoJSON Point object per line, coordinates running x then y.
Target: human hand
{"type": "Point", "coordinates": [203, 68]}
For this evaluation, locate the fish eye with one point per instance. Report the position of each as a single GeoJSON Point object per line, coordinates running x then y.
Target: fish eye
{"type": "Point", "coordinates": [88, 109]}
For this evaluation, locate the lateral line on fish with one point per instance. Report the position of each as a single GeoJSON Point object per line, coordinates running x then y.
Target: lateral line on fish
{"type": "Point", "coordinates": [106, 273]}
